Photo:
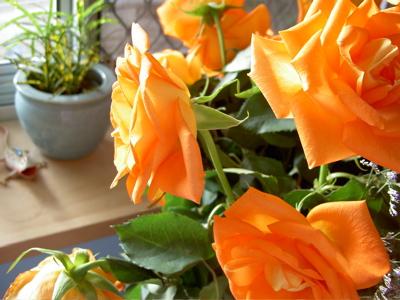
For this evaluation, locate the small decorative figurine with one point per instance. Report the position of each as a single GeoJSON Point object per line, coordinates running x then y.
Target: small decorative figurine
{"type": "Point", "coordinates": [18, 161]}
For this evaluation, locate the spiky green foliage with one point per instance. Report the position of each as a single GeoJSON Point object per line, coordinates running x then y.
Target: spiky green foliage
{"type": "Point", "coordinates": [63, 47]}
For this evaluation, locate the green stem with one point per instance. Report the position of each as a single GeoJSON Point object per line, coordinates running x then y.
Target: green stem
{"type": "Point", "coordinates": [214, 276]}
{"type": "Point", "coordinates": [299, 206]}
{"type": "Point", "coordinates": [214, 212]}
{"type": "Point", "coordinates": [212, 150]}
{"type": "Point", "coordinates": [215, 16]}
{"type": "Point", "coordinates": [323, 174]}
{"type": "Point", "coordinates": [329, 187]}
{"type": "Point", "coordinates": [332, 176]}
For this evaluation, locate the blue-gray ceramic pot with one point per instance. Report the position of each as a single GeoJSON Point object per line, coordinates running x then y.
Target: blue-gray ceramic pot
{"type": "Point", "coordinates": [66, 127]}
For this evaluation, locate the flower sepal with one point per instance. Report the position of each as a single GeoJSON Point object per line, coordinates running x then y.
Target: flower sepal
{"type": "Point", "coordinates": [63, 284]}
{"type": "Point", "coordinates": [206, 9]}
{"type": "Point", "coordinates": [77, 273]}
{"type": "Point", "coordinates": [61, 256]}
{"type": "Point", "coordinates": [101, 283]}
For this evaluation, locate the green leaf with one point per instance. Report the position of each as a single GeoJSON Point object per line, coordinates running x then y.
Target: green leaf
{"type": "Point", "coordinates": [181, 206]}
{"type": "Point", "coordinates": [133, 291]}
{"type": "Point", "coordinates": [262, 119]}
{"type": "Point", "coordinates": [375, 203]}
{"type": "Point", "coordinates": [63, 284]}
{"type": "Point", "coordinates": [158, 291]}
{"type": "Point", "coordinates": [268, 183]}
{"type": "Point", "coordinates": [282, 183]}
{"type": "Point", "coordinates": [127, 272]}
{"type": "Point", "coordinates": [215, 289]}
{"type": "Point", "coordinates": [210, 193]}
{"type": "Point", "coordinates": [166, 242]}
{"type": "Point", "coordinates": [204, 99]}
{"type": "Point", "coordinates": [196, 277]}
{"type": "Point", "coordinates": [284, 139]}
{"type": "Point", "coordinates": [306, 198]}
{"type": "Point", "coordinates": [248, 93]}
{"type": "Point", "coordinates": [353, 190]}
{"type": "Point", "coordinates": [101, 283]}
{"type": "Point", "coordinates": [208, 118]}
{"type": "Point", "coordinates": [241, 62]}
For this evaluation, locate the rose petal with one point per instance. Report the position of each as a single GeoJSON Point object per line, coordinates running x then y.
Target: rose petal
{"type": "Point", "coordinates": [356, 104]}
{"type": "Point", "coordinates": [303, 6]}
{"type": "Point", "coordinates": [321, 144]}
{"type": "Point", "coordinates": [380, 149]}
{"type": "Point", "coordinates": [273, 74]}
{"type": "Point", "coordinates": [356, 237]}
{"type": "Point", "coordinates": [261, 290]}
{"type": "Point", "coordinates": [140, 38]}
{"type": "Point", "coordinates": [227, 228]}
{"type": "Point", "coordinates": [297, 36]}
{"type": "Point", "coordinates": [365, 10]}
{"type": "Point", "coordinates": [243, 271]}
{"type": "Point", "coordinates": [285, 251]}
{"type": "Point", "coordinates": [339, 284]}
{"type": "Point", "coordinates": [312, 236]}
{"type": "Point", "coordinates": [311, 63]}
{"type": "Point", "coordinates": [260, 209]}
{"type": "Point", "coordinates": [330, 33]}
{"type": "Point", "coordinates": [384, 24]}
{"type": "Point", "coordinates": [185, 161]}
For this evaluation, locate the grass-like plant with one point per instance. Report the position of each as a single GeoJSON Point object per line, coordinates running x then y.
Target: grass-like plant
{"type": "Point", "coordinates": [63, 47]}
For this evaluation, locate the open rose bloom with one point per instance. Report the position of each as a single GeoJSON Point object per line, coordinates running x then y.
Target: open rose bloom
{"type": "Point", "coordinates": [268, 250]}
{"type": "Point", "coordinates": [337, 73]}
{"type": "Point", "coordinates": [155, 127]}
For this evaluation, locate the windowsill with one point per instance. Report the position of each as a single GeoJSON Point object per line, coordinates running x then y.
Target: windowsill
{"type": "Point", "coordinates": [69, 202]}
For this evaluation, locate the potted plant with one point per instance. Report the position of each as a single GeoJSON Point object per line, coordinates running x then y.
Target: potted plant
{"type": "Point", "coordinates": [63, 93]}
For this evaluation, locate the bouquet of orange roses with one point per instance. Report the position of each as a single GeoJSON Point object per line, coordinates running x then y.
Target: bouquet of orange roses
{"type": "Point", "coordinates": [273, 157]}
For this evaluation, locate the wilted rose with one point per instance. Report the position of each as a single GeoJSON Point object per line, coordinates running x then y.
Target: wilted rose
{"type": "Point", "coordinates": [39, 282]}
{"type": "Point", "coordinates": [155, 127]}
{"type": "Point", "coordinates": [337, 73]}
{"type": "Point", "coordinates": [268, 250]}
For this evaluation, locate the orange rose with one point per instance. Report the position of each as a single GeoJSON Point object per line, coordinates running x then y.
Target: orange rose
{"type": "Point", "coordinates": [303, 6]}
{"type": "Point", "coordinates": [337, 74]}
{"type": "Point", "coordinates": [268, 250]}
{"type": "Point", "coordinates": [178, 24]}
{"type": "Point", "coordinates": [188, 69]}
{"type": "Point", "coordinates": [155, 127]}
{"type": "Point", "coordinates": [237, 27]}
{"type": "Point", "coordinates": [39, 282]}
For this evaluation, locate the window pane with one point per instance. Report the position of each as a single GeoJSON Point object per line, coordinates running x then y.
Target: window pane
{"type": "Point", "coordinates": [8, 12]}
